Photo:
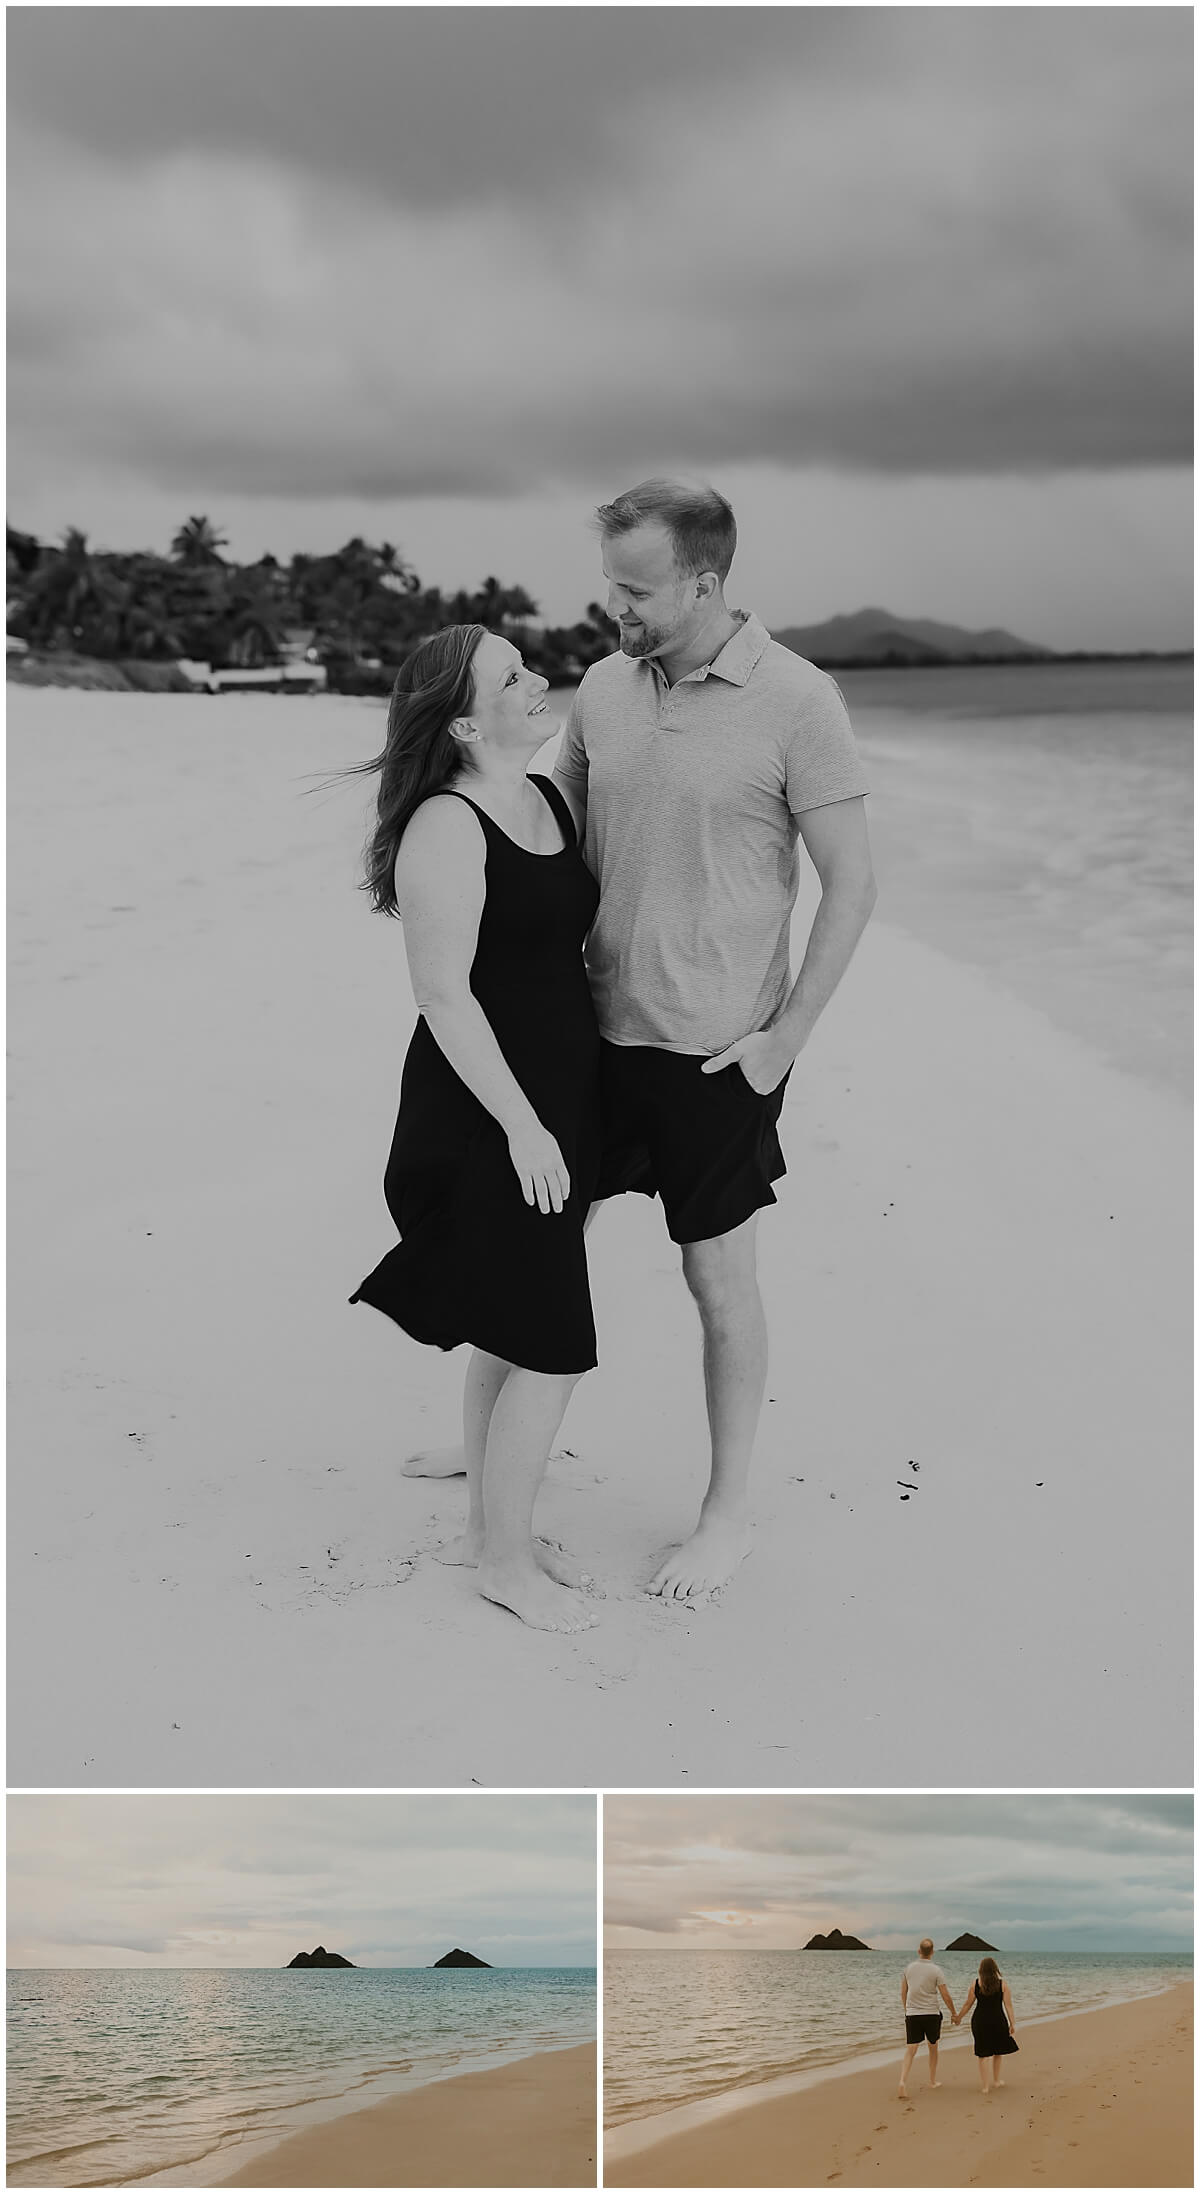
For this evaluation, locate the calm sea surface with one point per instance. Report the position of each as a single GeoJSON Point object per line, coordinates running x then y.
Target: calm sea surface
{"type": "Point", "coordinates": [122, 2075]}
{"type": "Point", "coordinates": [683, 2025]}
{"type": "Point", "coordinates": [1035, 821]}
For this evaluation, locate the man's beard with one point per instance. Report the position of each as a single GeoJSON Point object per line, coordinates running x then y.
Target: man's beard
{"type": "Point", "coordinates": [643, 642]}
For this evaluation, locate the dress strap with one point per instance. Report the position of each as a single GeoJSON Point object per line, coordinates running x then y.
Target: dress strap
{"type": "Point", "coordinates": [558, 808]}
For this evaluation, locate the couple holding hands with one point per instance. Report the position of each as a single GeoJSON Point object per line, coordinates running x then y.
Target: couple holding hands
{"type": "Point", "coordinates": [993, 2023]}
{"type": "Point", "coordinates": [600, 964]}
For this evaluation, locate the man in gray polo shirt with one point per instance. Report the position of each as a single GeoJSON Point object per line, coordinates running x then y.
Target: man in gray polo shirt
{"type": "Point", "coordinates": [705, 754]}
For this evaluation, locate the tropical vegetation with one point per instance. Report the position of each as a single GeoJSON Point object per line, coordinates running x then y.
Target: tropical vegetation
{"type": "Point", "coordinates": [358, 611]}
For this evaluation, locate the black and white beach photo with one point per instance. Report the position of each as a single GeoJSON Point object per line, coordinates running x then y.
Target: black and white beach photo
{"type": "Point", "coordinates": [786, 414]}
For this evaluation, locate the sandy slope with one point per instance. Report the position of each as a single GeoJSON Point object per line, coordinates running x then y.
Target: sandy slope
{"type": "Point", "coordinates": [1100, 2100]}
{"type": "Point", "coordinates": [532, 2123]}
{"type": "Point", "coordinates": [978, 1265]}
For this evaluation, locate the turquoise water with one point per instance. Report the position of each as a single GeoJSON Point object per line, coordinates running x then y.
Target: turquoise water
{"type": "Point", "coordinates": [118, 2075]}
{"type": "Point", "coordinates": [682, 2025]}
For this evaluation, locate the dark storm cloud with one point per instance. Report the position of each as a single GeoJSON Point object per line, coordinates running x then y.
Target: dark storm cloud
{"type": "Point", "coordinates": [441, 106]}
{"type": "Point", "coordinates": [376, 253]}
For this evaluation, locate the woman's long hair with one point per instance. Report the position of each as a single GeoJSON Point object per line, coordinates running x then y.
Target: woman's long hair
{"type": "Point", "coordinates": [420, 756]}
{"type": "Point", "coordinates": [990, 1983]}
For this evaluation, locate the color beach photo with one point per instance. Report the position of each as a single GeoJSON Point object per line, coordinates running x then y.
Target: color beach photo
{"type": "Point", "coordinates": [939, 1989]}
{"type": "Point", "coordinates": [336, 1991]}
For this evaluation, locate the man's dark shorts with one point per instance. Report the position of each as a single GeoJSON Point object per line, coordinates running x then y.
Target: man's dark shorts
{"type": "Point", "coordinates": [707, 1144]}
{"type": "Point", "coordinates": [926, 2028]}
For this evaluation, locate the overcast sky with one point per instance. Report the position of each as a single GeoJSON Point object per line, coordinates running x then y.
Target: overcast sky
{"type": "Point", "coordinates": [249, 1881]}
{"type": "Point", "coordinates": [1036, 1873]}
{"type": "Point", "coordinates": [913, 286]}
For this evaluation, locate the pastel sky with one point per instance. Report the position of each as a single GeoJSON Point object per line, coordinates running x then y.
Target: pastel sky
{"type": "Point", "coordinates": [912, 285]}
{"type": "Point", "coordinates": [198, 1880]}
{"type": "Point", "coordinates": [1025, 1873]}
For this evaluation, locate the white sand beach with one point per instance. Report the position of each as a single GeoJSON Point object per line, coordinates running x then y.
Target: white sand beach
{"type": "Point", "coordinates": [977, 1284]}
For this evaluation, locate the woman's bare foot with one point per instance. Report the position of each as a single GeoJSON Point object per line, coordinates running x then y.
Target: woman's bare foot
{"type": "Point", "coordinates": [465, 1549]}
{"type": "Point", "coordinates": [435, 1462]}
{"type": "Point", "coordinates": [901, 2094]}
{"type": "Point", "coordinates": [526, 1591]}
{"type": "Point", "coordinates": [553, 1557]}
{"type": "Point", "coordinates": [704, 1563]}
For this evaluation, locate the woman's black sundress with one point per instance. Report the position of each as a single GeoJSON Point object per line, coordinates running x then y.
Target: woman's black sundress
{"type": "Point", "coordinates": [989, 2026]}
{"type": "Point", "coordinates": [474, 1262]}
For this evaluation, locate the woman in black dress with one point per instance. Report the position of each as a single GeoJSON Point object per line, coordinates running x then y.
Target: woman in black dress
{"type": "Point", "coordinates": [993, 2024]}
{"type": "Point", "coordinates": [497, 1142]}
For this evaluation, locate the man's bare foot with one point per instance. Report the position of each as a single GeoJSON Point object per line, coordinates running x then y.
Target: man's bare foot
{"type": "Point", "coordinates": [435, 1462]}
{"type": "Point", "coordinates": [704, 1563]}
{"type": "Point", "coordinates": [465, 1549]}
{"type": "Point", "coordinates": [529, 1593]}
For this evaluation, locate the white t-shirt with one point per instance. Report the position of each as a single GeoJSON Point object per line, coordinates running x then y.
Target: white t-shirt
{"type": "Point", "coordinates": [923, 1977]}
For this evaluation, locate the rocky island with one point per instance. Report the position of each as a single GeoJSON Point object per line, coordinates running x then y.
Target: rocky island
{"type": "Point", "coordinates": [835, 1940]}
{"type": "Point", "coordinates": [969, 1942]}
{"type": "Point", "coordinates": [461, 1957]}
{"type": "Point", "coordinates": [319, 1956]}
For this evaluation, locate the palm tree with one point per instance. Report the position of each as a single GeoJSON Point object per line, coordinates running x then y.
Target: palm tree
{"type": "Point", "coordinates": [198, 542]}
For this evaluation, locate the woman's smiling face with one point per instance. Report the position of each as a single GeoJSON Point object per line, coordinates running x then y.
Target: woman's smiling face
{"type": "Point", "coordinates": [509, 707]}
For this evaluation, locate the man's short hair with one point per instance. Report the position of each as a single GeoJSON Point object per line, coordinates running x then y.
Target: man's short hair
{"type": "Point", "coordinates": [700, 522]}
{"type": "Point", "coordinates": [925, 1946]}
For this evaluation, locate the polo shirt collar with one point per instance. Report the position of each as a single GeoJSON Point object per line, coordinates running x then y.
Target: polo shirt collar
{"type": "Point", "coordinates": [735, 661]}
{"type": "Point", "coordinates": [741, 651]}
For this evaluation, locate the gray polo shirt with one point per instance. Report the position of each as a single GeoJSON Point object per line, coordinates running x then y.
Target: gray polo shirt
{"type": "Point", "coordinates": [692, 792]}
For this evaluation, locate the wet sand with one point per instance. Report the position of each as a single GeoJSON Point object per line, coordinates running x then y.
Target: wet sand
{"type": "Point", "coordinates": [532, 2123]}
{"type": "Point", "coordinates": [977, 1283]}
{"type": "Point", "coordinates": [1103, 2099]}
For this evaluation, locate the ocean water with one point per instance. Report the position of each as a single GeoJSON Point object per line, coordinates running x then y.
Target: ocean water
{"type": "Point", "coordinates": [117, 2075]}
{"type": "Point", "coordinates": [1036, 821]}
{"type": "Point", "coordinates": [683, 2025]}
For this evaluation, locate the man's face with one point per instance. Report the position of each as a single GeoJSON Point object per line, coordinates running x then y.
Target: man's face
{"type": "Point", "coordinates": [648, 597]}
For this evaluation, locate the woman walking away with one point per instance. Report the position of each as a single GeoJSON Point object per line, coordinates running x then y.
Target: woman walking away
{"type": "Point", "coordinates": [496, 1146]}
{"type": "Point", "coordinates": [992, 2021]}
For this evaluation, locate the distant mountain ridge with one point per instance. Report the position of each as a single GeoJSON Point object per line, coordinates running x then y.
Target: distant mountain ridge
{"type": "Point", "coordinates": [835, 1940]}
{"type": "Point", "coordinates": [879, 636]}
{"type": "Point", "coordinates": [461, 1957]}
